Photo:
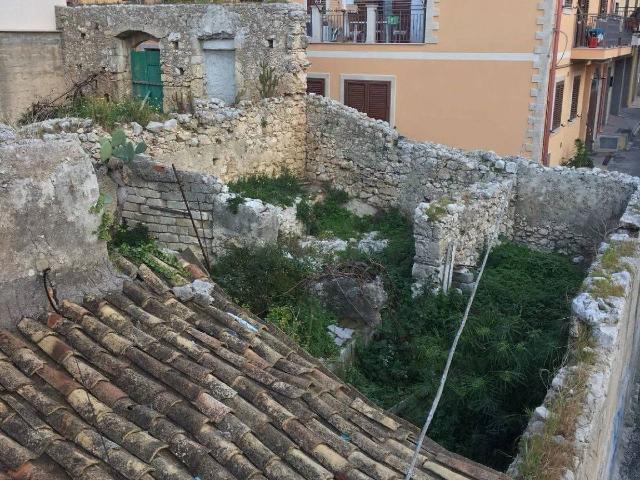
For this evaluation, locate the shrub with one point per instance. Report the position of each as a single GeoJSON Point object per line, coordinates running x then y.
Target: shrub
{"type": "Point", "coordinates": [280, 190]}
{"type": "Point", "coordinates": [272, 284]}
{"type": "Point", "coordinates": [515, 336]}
{"type": "Point", "coordinates": [105, 112]}
{"type": "Point", "coordinates": [581, 158]}
{"type": "Point", "coordinates": [306, 322]}
{"type": "Point", "coordinates": [261, 277]}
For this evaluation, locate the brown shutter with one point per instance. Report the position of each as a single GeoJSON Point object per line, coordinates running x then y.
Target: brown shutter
{"type": "Point", "coordinates": [379, 97]}
{"type": "Point", "coordinates": [557, 105]}
{"type": "Point", "coordinates": [355, 95]}
{"type": "Point", "coordinates": [372, 98]}
{"type": "Point", "coordinates": [575, 96]}
{"type": "Point", "coordinates": [315, 85]}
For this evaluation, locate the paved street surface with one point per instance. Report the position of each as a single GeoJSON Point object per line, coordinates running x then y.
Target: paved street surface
{"type": "Point", "coordinates": [627, 161]}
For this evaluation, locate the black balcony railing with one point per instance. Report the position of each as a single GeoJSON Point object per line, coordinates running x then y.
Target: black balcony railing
{"type": "Point", "coordinates": [394, 23]}
{"type": "Point", "coordinates": [344, 26]}
{"type": "Point", "coordinates": [400, 26]}
{"type": "Point", "coordinates": [604, 31]}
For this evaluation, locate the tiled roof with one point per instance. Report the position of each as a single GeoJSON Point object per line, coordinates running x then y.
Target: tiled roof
{"type": "Point", "coordinates": [138, 385]}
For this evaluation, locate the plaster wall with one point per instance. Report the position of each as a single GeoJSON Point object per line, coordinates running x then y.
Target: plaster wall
{"type": "Point", "coordinates": [29, 15]}
{"type": "Point", "coordinates": [30, 68]}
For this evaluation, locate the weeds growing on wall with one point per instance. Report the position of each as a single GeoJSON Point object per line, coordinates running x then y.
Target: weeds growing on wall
{"type": "Point", "coordinates": [135, 244]}
{"type": "Point", "coordinates": [280, 190]}
{"type": "Point", "coordinates": [105, 112]}
{"type": "Point", "coordinates": [515, 339]}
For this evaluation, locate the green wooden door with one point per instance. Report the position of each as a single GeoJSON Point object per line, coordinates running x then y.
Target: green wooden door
{"type": "Point", "coordinates": [145, 76]}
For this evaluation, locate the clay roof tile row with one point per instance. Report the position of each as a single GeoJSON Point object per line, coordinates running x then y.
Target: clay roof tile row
{"type": "Point", "coordinates": [140, 385]}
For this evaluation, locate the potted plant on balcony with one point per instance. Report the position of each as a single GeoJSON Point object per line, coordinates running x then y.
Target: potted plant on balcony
{"type": "Point", "coordinates": [595, 36]}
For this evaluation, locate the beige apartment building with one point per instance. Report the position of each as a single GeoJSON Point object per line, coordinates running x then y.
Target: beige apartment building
{"type": "Point", "coordinates": [524, 77]}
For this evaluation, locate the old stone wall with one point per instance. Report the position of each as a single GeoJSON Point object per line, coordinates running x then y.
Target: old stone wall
{"type": "Point", "coordinates": [602, 379]}
{"type": "Point", "coordinates": [369, 160]}
{"type": "Point", "coordinates": [152, 197]}
{"type": "Point", "coordinates": [100, 38]}
{"type": "Point", "coordinates": [46, 191]}
{"type": "Point", "coordinates": [452, 232]}
{"type": "Point", "coordinates": [30, 68]}
{"type": "Point", "coordinates": [568, 210]}
{"type": "Point", "coordinates": [559, 208]}
{"type": "Point", "coordinates": [266, 136]}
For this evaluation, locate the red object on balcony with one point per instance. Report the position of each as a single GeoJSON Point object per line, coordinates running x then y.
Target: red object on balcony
{"type": "Point", "coordinates": [592, 42]}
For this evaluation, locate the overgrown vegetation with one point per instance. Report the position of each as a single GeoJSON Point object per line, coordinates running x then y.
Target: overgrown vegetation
{"type": "Point", "coordinates": [513, 343]}
{"type": "Point", "coordinates": [279, 190]}
{"type": "Point", "coordinates": [581, 158]}
{"type": "Point", "coordinates": [330, 217]}
{"type": "Point", "coordinates": [515, 339]}
{"type": "Point", "coordinates": [271, 283]}
{"type": "Point", "coordinates": [543, 456]}
{"type": "Point", "coordinates": [135, 244]}
{"type": "Point", "coordinates": [105, 112]}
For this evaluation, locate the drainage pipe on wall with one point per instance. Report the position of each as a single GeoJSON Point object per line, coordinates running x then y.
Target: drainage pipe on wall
{"type": "Point", "coordinates": [552, 83]}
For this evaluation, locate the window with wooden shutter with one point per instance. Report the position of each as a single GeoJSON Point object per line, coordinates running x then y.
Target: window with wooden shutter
{"type": "Point", "coordinates": [316, 85]}
{"type": "Point", "coordinates": [575, 96]}
{"type": "Point", "coordinates": [557, 105]}
{"type": "Point", "coordinates": [370, 97]}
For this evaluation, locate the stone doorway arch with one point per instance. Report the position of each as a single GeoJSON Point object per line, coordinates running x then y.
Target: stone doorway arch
{"type": "Point", "coordinates": [138, 57]}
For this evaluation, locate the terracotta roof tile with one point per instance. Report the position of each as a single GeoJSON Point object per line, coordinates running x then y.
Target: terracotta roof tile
{"type": "Point", "coordinates": [138, 385]}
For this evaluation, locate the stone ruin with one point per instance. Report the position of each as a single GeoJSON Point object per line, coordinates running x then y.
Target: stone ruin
{"type": "Point", "coordinates": [457, 199]}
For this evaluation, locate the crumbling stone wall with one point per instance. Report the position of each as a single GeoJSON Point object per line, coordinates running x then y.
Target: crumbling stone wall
{"type": "Point", "coordinates": [451, 233]}
{"type": "Point", "coordinates": [47, 188]}
{"type": "Point", "coordinates": [152, 197]}
{"type": "Point", "coordinates": [370, 161]}
{"type": "Point", "coordinates": [266, 136]}
{"type": "Point", "coordinates": [568, 210]}
{"type": "Point", "coordinates": [99, 38]}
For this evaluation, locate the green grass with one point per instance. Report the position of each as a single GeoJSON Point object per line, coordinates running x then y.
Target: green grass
{"type": "Point", "coordinates": [281, 190]}
{"type": "Point", "coordinates": [106, 113]}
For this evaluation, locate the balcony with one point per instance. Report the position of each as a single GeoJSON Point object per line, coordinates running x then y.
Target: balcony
{"type": "Point", "coordinates": [370, 23]}
{"type": "Point", "coordinates": [601, 37]}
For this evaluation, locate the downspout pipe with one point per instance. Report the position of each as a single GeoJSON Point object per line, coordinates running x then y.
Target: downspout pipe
{"type": "Point", "coordinates": [552, 83]}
